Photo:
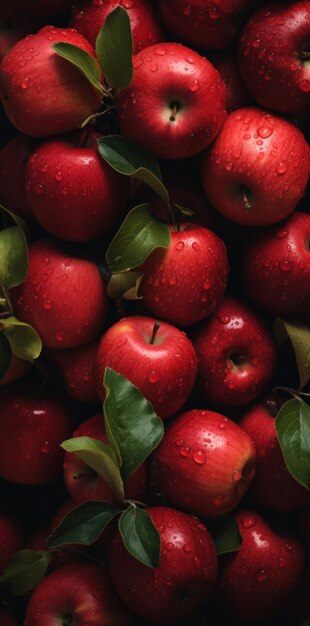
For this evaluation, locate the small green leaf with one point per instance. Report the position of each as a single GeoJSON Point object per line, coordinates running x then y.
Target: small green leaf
{"type": "Point", "coordinates": [24, 340]}
{"type": "Point", "coordinates": [225, 533]}
{"type": "Point", "coordinates": [25, 570]}
{"type": "Point", "coordinates": [125, 285]}
{"type": "Point", "coordinates": [13, 257]}
{"type": "Point", "coordinates": [114, 49]}
{"type": "Point", "coordinates": [140, 535]}
{"type": "Point", "coordinates": [100, 457]}
{"type": "Point", "coordinates": [299, 335]}
{"type": "Point", "coordinates": [83, 524]}
{"type": "Point", "coordinates": [83, 61]}
{"type": "Point", "coordinates": [139, 234]}
{"type": "Point", "coordinates": [5, 354]}
{"type": "Point", "coordinates": [132, 159]}
{"type": "Point", "coordinates": [293, 428]}
{"type": "Point", "coordinates": [133, 428]}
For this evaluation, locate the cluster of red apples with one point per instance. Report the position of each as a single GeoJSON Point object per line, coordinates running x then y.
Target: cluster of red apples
{"type": "Point", "coordinates": [154, 313]}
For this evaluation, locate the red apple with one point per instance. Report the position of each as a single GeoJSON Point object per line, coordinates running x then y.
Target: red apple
{"type": "Point", "coordinates": [11, 540]}
{"type": "Point", "coordinates": [261, 578]}
{"type": "Point", "coordinates": [205, 463]}
{"type": "Point", "coordinates": [236, 355]}
{"type": "Point", "coordinates": [273, 486]}
{"type": "Point", "coordinates": [160, 362]}
{"type": "Point", "coordinates": [7, 620]}
{"type": "Point", "coordinates": [13, 159]}
{"type": "Point", "coordinates": [185, 576]}
{"type": "Point", "coordinates": [71, 191]}
{"type": "Point", "coordinates": [89, 17]}
{"type": "Point", "coordinates": [42, 8]}
{"type": "Point", "coordinates": [175, 104]}
{"type": "Point", "coordinates": [83, 483]}
{"type": "Point", "coordinates": [186, 282]}
{"type": "Point", "coordinates": [276, 267]}
{"type": "Point", "coordinates": [226, 64]}
{"type": "Point", "coordinates": [32, 427]}
{"type": "Point", "coordinates": [77, 369]}
{"type": "Point", "coordinates": [18, 368]}
{"type": "Point", "coordinates": [62, 296]}
{"type": "Point", "coordinates": [79, 594]}
{"type": "Point", "coordinates": [42, 93]}
{"type": "Point", "coordinates": [274, 56]}
{"type": "Point", "coordinates": [257, 169]}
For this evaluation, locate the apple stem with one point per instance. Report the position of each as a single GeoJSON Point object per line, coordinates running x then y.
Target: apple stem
{"type": "Point", "coordinates": [246, 201]}
{"type": "Point", "coordinates": [154, 333]}
{"type": "Point", "coordinates": [174, 110]}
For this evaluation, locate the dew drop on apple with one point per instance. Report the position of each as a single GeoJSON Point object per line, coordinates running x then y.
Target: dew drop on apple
{"type": "Point", "coordinates": [180, 245]}
{"type": "Point", "coordinates": [261, 576]}
{"type": "Point", "coordinates": [172, 280]}
{"type": "Point", "coordinates": [265, 131]}
{"type": "Point", "coordinates": [187, 10]}
{"type": "Point", "coordinates": [169, 546]}
{"type": "Point", "coordinates": [185, 451]}
{"type": "Point", "coordinates": [197, 562]}
{"type": "Point", "coordinates": [195, 85]}
{"type": "Point", "coordinates": [281, 168]}
{"type": "Point", "coordinates": [217, 500]}
{"type": "Point", "coordinates": [47, 305]}
{"type": "Point", "coordinates": [153, 377]}
{"type": "Point", "coordinates": [40, 189]}
{"type": "Point", "coordinates": [207, 284]}
{"type": "Point", "coordinates": [237, 476]}
{"type": "Point", "coordinates": [286, 265]}
{"type": "Point", "coordinates": [169, 581]}
{"type": "Point", "coordinates": [249, 522]}
{"type": "Point", "coordinates": [199, 457]}
{"type": "Point", "coordinates": [281, 234]}
{"type": "Point", "coordinates": [187, 548]}
{"type": "Point", "coordinates": [60, 335]}
{"type": "Point", "coordinates": [45, 447]}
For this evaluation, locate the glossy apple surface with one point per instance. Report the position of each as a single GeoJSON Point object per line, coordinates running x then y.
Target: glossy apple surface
{"type": "Point", "coordinates": [77, 370]}
{"type": "Point", "coordinates": [13, 159]}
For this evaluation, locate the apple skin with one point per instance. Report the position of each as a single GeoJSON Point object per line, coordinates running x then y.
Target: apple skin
{"type": "Point", "coordinates": [257, 169]}
{"type": "Point", "coordinates": [32, 428]}
{"type": "Point", "coordinates": [226, 64]}
{"type": "Point", "coordinates": [164, 371]}
{"type": "Point", "coordinates": [276, 267]}
{"type": "Point", "coordinates": [11, 540]}
{"type": "Point", "coordinates": [42, 93]}
{"type": "Point", "coordinates": [77, 369]}
{"type": "Point", "coordinates": [73, 193]}
{"type": "Point", "coordinates": [270, 56]}
{"type": "Point", "coordinates": [7, 620]}
{"type": "Point", "coordinates": [17, 369]}
{"type": "Point", "coordinates": [13, 159]}
{"type": "Point", "coordinates": [62, 296]}
{"type": "Point", "coordinates": [88, 18]}
{"type": "Point", "coordinates": [205, 463]}
{"type": "Point", "coordinates": [273, 486]}
{"type": "Point", "coordinates": [80, 591]}
{"type": "Point", "coordinates": [264, 574]}
{"type": "Point", "coordinates": [185, 576]}
{"type": "Point", "coordinates": [168, 74]}
{"type": "Point", "coordinates": [236, 355]}
{"type": "Point", "coordinates": [185, 283]}
{"type": "Point", "coordinates": [84, 484]}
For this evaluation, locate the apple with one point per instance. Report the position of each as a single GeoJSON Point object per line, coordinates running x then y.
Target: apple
{"type": "Point", "coordinates": [79, 594]}
{"type": "Point", "coordinates": [42, 8]}
{"type": "Point", "coordinates": [42, 93]}
{"type": "Point", "coordinates": [89, 17]}
{"type": "Point", "coordinates": [155, 356]}
{"type": "Point", "coordinates": [262, 577]}
{"type": "Point", "coordinates": [226, 64]}
{"type": "Point", "coordinates": [185, 283]}
{"type": "Point", "coordinates": [85, 484]}
{"type": "Point", "coordinates": [273, 486]}
{"type": "Point", "coordinates": [186, 574]}
{"type": "Point", "coordinates": [6, 619]}
{"type": "Point", "coordinates": [274, 56]}
{"type": "Point", "coordinates": [77, 369]}
{"type": "Point", "coordinates": [71, 191]}
{"type": "Point", "coordinates": [32, 427]}
{"type": "Point", "coordinates": [257, 169]}
{"type": "Point", "coordinates": [236, 355]}
{"type": "Point", "coordinates": [205, 463]}
{"type": "Point", "coordinates": [17, 369]}
{"type": "Point", "coordinates": [205, 23]}
{"type": "Point", "coordinates": [13, 159]}
{"type": "Point", "coordinates": [62, 296]}
{"type": "Point", "coordinates": [175, 104]}
{"type": "Point", "coordinates": [11, 539]}
{"type": "Point", "coordinates": [276, 267]}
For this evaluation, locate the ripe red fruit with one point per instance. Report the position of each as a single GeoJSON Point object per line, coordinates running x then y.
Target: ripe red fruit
{"type": "Point", "coordinates": [205, 463]}
{"type": "Point", "coordinates": [186, 282]}
{"type": "Point", "coordinates": [236, 355]}
{"type": "Point", "coordinates": [71, 191]}
{"type": "Point", "coordinates": [175, 104]}
{"type": "Point", "coordinates": [276, 267]}
{"type": "Point", "coordinates": [11, 540]}
{"type": "Point", "coordinates": [262, 577]}
{"type": "Point", "coordinates": [42, 93]}
{"type": "Point", "coordinates": [274, 56]}
{"type": "Point", "coordinates": [77, 369]}
{"type": "Point", "coordinates": [185, 576]}
{"type": "Point", "coordinates": [257, 169]}
{"type": "Point", "coordinates": [62, 296]}
{"type": "Point", "coordinates": [76, 593]}
{"type": "Point", "coordinates": [83, 483]}
{"type": "Point", "coordinates": [32, 428]}
{"type": "Point", "coordinates": [17, 369]}
{"type": "Point", "coordinates": [13, 158]}
{"type": "Point", "coordinates": [226, 63]}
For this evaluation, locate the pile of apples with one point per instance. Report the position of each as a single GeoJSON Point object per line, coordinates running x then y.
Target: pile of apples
{"type": "Point", "coordinates": [154, 313]}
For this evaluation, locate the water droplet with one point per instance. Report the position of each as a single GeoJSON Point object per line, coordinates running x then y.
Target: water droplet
{"type": "Point", "coordinates": [281, 168]}
{"type": "Point", "coordinates": [199, 457]}
{"type": "Point", "coordinates": [207, 284]}
{"type": "Point", "coordinates": [237, 476]}
{"type": "Point", "coordinates": [265, 131]}
{"type": "Point", "coordinates": [217, 500]}
{"type": "Point", "coordinates": [169, 581]}
{"type": "Point", "coordinates": [281, 563]}
{"type": "Point", "coordinates": [25, 82]}
{"type": "Point", "coordinates": [281, 234]}
{"type": "Point", "coordinates": [47, 305]}
{"type": "Point", "coordinates": [286, 265]}
{"type": "Point", "coordinates": [172, 280]}
{"type": "Point", "coordinates": [180, 245]}
{"type": "Point", "coordinates": [60, 335]}
{"type": "Point", "coordinates": [249, 522]}
{"type": "Point", "coordinates": [228, 166]}
{"type": "Point", "coordinates": [195, 85]}
{"type": "Point", "coordinates": [185, 451]}
{"type": "Point", "coordinates": [224, 319]}
{"type": "Point", "coordinates": [154, 67]}
{"type": "Point", "coordinates": [189, 60]}
{"type": "Point", "coordinates": [40, 189]}
{"type": "Point", "coordinates": [169, 546]}
{"type": "Point", "coordinates": [197, 562]}
{"type": "Point", "coordinates": [58, 175]}
{"type": "Point", "coordinates": [45, 448]}
{"type": "Point", "coordinates": [179, 442]}
{"type": "Point", "coordinates": [153, 377]}
{"type": "Point", "coordinates": [187, 10]}
{"type": "Point", "coordinates": [187, 548]}
{"type": "Point", "coordinates": [261, 576]}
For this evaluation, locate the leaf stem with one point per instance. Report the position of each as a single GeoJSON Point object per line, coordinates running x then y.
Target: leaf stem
{"type": "Point", "coordinates": [289, 391]}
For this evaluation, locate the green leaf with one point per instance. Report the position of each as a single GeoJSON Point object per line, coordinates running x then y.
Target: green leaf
{"type": "Point", "coordinates": [114, 48]}
{"type": "Point", "coordinates": [13, 257]}
{"type": "Point", "coordinates": [83, 61]}
{"type": "Point", "coordinates": [24, 340]}
{"type": "Point", "coordinates": [83, 524]}
{"type": "Point", "coordinates": [225, 533]}
{"type": "Point", "coordinates": [293, 428]}
{"type": "Point", "coordinates": [140, 535]}
{"type": "Point", "coordinates": [5, 354]}
{"type": "Point", "coordinates": [100, 457]}
{"type": "Point", "coordinates": [132, 159]}
{"type": "Point", "coordinates": [299, 335]}
{"type": "Point", "coordinates": [137, 237]}
{"type": "Point", "coordinates": [25, 570]}
{"type": "Point", "coordinates": [125, 285]}
{"type": "Point", "coordinates": [133, 428]}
